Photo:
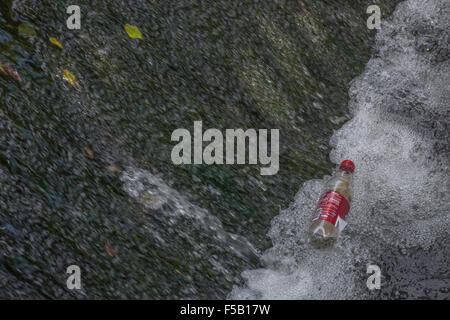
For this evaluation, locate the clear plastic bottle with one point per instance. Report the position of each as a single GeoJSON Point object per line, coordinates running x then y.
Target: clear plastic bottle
{"type": "Point", "coordinates": [333, 206]}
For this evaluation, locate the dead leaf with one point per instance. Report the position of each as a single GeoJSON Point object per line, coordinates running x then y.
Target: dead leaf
{"type": "Point", "coordinates": [89, 152]}
{"type": "Point", "coordinates": [111, 136]}
{"type": "Point", "coordinates": [178, 271]}
{"type": "Point", "coordinates": [7, 71]}
{"type": "Point", "coordinates": [114, 168]}
{"type": "Point", "coordinates": [110, 250]}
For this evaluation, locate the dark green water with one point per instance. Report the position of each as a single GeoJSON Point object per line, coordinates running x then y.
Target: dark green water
{"type": "Point", "coordinates": [231, 64]}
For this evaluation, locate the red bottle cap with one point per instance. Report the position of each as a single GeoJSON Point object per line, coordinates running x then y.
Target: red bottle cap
{"type": "Point", "coordinates": [347, 166]}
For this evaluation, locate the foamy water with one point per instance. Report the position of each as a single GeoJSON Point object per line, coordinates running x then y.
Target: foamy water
{"type": "Point", "coordinates": [187, 223]}
{"type": "Point", "coordinates": [398, 138]}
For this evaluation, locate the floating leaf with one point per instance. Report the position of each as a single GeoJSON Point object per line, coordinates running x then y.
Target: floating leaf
{"type": "Point", "coordinates": [133, 32]}
{"type": "Point", "coordinates": [110, 250]}
{"type": "Point", "coordinates": [110, 135]}
{"type": "Point", "coordinates": [114, 168]}
{"type": "Point", "coordinates": [8, 71]}
{"type": "Point", "coordinates": [26, 29]}
{"type": "Point", "coordinates": [89, 152]}
{"type": "Point", "coordinates": [69, 77]}
{"type": "Point", "coordinates": [56, 43]}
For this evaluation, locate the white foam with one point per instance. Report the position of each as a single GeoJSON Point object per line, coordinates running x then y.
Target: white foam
{"type": "Point", "coordinates": [397, 140]}
{"type": "Point", "coordinates": [158, 198]}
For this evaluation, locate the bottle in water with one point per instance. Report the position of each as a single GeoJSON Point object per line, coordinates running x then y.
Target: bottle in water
{"type": "Point", "coordinates": [333, 206]}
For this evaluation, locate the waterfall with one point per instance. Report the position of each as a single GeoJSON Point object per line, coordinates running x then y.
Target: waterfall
{"type": "Point", "coordinates": [398, 138]}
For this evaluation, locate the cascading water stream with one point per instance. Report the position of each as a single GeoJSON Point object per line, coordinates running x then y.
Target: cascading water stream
{"type": "Point", "coordinates": [399, 140]}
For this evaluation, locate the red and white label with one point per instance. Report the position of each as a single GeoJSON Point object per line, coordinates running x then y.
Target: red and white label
{"type": "Point", "coordinates": [332, 206]}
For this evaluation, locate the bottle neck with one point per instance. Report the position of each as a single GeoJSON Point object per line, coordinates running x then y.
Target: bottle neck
{"type": "Point", "coordinates": [342, 173]}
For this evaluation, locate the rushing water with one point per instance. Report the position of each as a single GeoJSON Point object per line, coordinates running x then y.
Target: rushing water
{"type": "Point", "coordinates": [399, 139]}
{"type": "Point", "coordinates": [86, 176]}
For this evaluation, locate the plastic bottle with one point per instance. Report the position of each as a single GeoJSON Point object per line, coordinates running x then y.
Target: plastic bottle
{"type": "Point", "coordinates": [333, 206]}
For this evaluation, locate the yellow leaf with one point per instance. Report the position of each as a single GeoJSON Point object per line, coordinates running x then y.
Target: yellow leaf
{"type": "Point", "coordinates": [69, 77]}
{"type": "Point", "coordinates": [133, 31]}
{"type": "Point", "coordinates": [56, 43]}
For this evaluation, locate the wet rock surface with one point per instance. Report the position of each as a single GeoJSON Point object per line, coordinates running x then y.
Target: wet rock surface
{"type": "Point", "coordinates": [177, 231]}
